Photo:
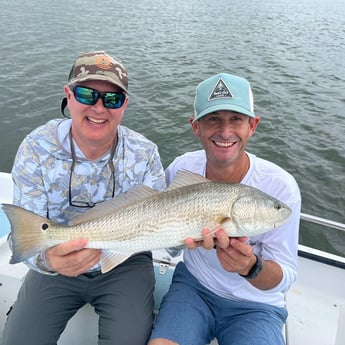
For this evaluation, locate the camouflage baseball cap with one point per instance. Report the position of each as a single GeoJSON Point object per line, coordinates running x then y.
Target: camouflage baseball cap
{"type": "Point", "coordinates": [98, 65]}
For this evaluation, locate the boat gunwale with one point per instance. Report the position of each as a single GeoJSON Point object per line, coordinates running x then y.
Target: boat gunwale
{"type": "Point", "coordinates": [321, 257]}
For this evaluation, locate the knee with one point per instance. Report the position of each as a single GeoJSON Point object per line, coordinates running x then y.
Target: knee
{"type": "Point", "coordinates": [161, 341]}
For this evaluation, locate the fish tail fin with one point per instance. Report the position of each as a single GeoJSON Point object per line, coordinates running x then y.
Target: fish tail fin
{"type": "Point", "coordinates": [27, 232]}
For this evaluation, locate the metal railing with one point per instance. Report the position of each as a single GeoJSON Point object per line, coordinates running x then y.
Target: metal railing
{"type": "Point", "coordinates": [322, 221]}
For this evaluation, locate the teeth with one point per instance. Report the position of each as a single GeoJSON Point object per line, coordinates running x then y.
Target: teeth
{"type": "Point", "coordinates": [96, 120]}
{"type": "Point", "coordinates": [218, 143]}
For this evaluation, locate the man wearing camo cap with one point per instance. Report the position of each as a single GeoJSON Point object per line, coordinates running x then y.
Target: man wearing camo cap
{"type": "Point", "coordinates": [66, 167]}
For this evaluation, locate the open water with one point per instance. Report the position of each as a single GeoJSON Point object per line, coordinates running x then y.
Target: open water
{"type": "Point", "coordinates": [292, 52]}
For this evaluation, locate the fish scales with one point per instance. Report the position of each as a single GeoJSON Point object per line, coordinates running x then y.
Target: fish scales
{"type": "Point", "coordinates": [187, 210]}
{"type": "Point", "coordinates": [145, 219]}
{"type": "Point", "coordinates": [179, 214]}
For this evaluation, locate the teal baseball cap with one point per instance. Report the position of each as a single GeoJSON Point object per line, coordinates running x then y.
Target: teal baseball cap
{"type": "Point", "coordinates": [223, 91]}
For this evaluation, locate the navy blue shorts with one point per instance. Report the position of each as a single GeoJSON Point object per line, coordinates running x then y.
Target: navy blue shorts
{"type": "Point", "coordinates": [190, 314]}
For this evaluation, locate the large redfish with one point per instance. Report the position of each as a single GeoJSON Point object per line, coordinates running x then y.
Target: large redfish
{"type": "Point", "coordinates": [145, 219]}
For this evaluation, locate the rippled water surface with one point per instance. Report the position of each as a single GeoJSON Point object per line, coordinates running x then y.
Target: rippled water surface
{"type": "Point", "coordinates": [292, 52]}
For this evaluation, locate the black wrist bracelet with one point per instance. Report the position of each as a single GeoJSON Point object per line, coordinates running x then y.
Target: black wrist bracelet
{"type": "Point", "coordinates": [255, 270]}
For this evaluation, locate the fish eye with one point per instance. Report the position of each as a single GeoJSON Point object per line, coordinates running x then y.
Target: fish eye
{"type": "Point", "coordinates": [45, 226]}
{"type": "Point", "coordinates": [277, 206]}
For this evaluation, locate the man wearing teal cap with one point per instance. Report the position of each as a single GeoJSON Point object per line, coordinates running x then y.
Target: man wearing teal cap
{"type": "Point", "coordinates": [231, 289]}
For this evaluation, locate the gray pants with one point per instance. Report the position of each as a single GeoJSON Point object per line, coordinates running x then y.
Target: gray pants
{"type": "Point", "coordinates": [123, 299]}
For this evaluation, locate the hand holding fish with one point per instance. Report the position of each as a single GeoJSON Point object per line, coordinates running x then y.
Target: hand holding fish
{"type": "Point", "coordinates": [238, 256]}
{"type": "Point", "coordinates": [234, 253]}
{"type": "Point", "coordinates": [71, 258]}
{"type": "Point", "coordinates": [220, 240]}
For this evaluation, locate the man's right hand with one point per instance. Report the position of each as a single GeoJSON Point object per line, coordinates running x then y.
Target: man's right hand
{"type": "Point", "coordinates": [209, 240]}
{"type": "Point", "coordinates": [71, 258]}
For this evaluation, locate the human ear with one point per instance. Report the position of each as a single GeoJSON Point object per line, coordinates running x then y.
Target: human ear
{"type": "Point", "coordinates": [254, 123]}
{"type": "Point", "coordinates": [68, 92]}
{"type": "Point", "coordinates": [195, 126]}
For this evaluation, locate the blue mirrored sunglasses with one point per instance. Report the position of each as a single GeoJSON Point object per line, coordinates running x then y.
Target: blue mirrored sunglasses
{"type": "Point", "coordinates": [88, 96]}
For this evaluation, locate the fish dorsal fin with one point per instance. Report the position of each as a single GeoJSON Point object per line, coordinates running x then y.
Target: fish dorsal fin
{"type": "Point", "coordinates": [185, 178]}
{"type": "Point", "coordinates": [110, 206]}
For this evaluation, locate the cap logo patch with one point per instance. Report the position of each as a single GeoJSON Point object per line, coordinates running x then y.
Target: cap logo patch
{"type": "Point", "coordinates": [220, 91]}
{"type": "Point", "coordinates": [103, 62]}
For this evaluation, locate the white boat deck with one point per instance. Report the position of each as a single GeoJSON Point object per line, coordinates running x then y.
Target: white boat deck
{"type": "Point", "coordinates": [316, 302]}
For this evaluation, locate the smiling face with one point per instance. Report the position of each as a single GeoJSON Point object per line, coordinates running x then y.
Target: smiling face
{"type": "Point", "coordinates": [94, 127]}
{"type": "Point", "coordinates": [224, 135]}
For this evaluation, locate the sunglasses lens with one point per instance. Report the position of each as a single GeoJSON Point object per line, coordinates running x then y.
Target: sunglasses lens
{"type": "Point", "coordinates": [85, 95]}
{"type": "Point", "coordinates": [113, 100]}
{"type": "Point", "coordinates": [88, 96]}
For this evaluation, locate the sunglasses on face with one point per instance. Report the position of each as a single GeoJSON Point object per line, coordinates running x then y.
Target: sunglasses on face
{"type": "Point", "coordinates": [88, 96]}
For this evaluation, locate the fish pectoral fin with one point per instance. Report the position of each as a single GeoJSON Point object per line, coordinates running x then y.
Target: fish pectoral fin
{"type": "Point", "coordinates": [223, 223]}
{"type": "Point", "coordinates": [214, 230]}
{"type": "Point", "coordinates": [225, 220]}
{"type": "Point", "coordinates": [110, 260]}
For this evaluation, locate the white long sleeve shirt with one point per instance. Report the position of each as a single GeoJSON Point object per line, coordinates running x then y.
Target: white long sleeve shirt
{"type": "Point", "coordinates": [279, 245]}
